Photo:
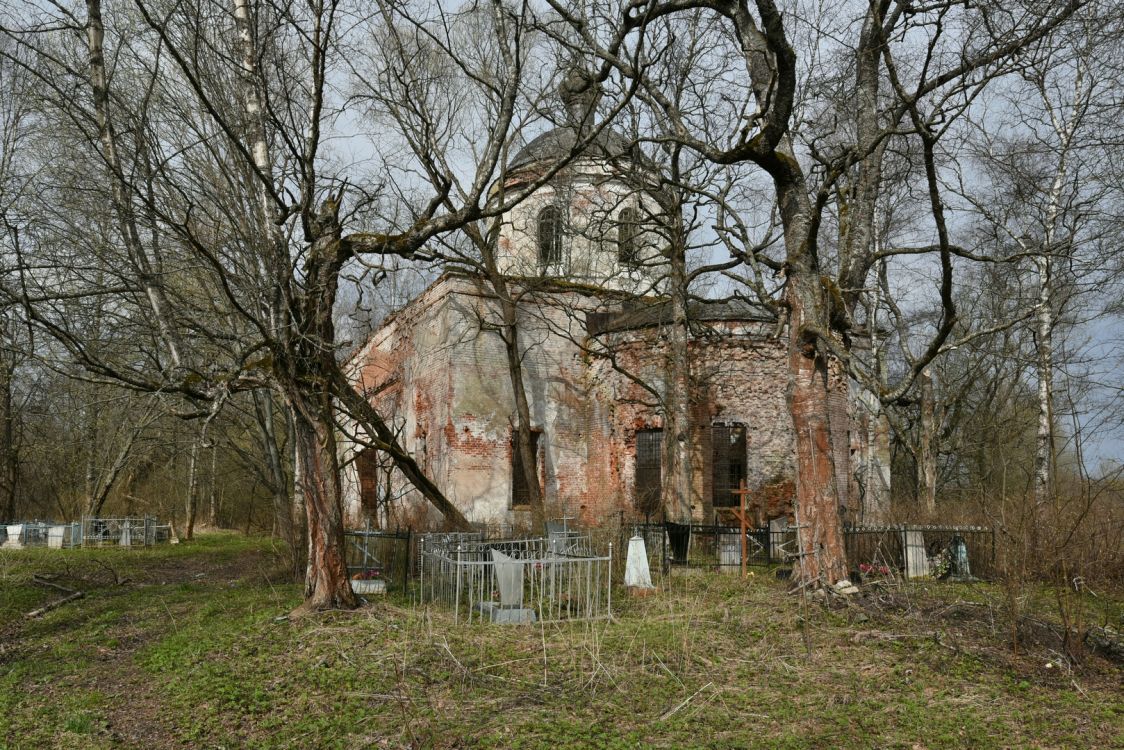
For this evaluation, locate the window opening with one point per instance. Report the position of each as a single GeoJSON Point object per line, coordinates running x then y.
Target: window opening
{"type": "Point", "coordinates": [727, 463]}
{"type": "Point", "coordinates": [550, 236]}
{"type": "Point", "coordinates": [649, 468]}
{"type": "Point", "coordinates": [628, 231]}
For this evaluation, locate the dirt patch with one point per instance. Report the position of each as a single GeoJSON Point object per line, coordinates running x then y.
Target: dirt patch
{"type": "Point", "coordinates": [226, 569]}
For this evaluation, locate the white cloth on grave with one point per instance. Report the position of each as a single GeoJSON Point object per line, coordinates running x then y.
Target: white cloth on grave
{"type": "Point", "coordinates": [509, 579]}
{"type": "Point", "coordinates": [636, 572]}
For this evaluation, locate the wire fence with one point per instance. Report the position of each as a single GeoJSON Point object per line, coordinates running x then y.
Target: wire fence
{"type": "Point", "coordinates": [714, 547]}
{"type": "Point", "coordinates": [568, 574]}
{"type": "Point", "coordinates": [920, 551]}
{"type": "Point", "coordinates": [19, 534]}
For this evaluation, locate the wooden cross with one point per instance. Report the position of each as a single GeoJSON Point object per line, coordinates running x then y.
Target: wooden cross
{"type": "Point", "coordinates": [740, 513]}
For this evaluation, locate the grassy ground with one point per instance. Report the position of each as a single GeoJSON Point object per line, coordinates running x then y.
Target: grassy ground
{"type": "Point", "coordinates": [189, 651]}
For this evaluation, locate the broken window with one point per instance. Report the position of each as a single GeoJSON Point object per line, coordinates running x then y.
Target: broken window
{"type": "Point", "coordinates": [520, 489]}
{"type": "Point", "coordinates": [628, 230]}
{"type": "Point", "coordinates": [727, 463]}
{"type": "Point", "coordinates": [649, 466]}
{"type": "Point", "coordinates": [550, 236]}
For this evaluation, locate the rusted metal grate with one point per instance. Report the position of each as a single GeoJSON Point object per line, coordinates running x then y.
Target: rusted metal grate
{"type": "Point", "coordinates": [649, 468]}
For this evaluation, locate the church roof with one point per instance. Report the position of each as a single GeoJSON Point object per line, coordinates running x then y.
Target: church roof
{"type": "Point", "coordinates": [645, 315]}
{"type": "Point", "coordinates": [559, 143]}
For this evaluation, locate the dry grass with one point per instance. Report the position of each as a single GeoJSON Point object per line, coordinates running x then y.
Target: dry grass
{"type": "Point", "coordinates": [709, 661]}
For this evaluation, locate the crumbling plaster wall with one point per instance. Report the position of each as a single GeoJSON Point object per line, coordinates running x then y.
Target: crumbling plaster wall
{"type": "Point", "coordinates": [443, 371]}
{"type": "Point", "coordinates": [444, 377]}
{"type": "Point", "coordinates": [591, 197]}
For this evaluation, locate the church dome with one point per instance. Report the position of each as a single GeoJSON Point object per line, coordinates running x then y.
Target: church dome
{"type": "Point", "coordinates": [559, 143]}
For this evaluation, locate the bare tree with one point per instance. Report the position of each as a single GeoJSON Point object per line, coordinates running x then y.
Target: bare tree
{"type": "Point", "coordinates": [234, 218]}
{"type": "Point", "coordinates": [913, 79]}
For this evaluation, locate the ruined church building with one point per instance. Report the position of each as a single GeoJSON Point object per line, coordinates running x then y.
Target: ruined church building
{"type": "Point", "coordinates": [584, 255]}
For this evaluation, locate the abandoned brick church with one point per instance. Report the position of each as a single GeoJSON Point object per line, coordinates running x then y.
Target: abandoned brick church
{"type": "Point", "coordinates": [588, 269]}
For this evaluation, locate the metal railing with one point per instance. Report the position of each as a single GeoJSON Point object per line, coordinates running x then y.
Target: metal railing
{"type": "Point", "coordinates": [386, 555]}
{"type": "Point", "coordinates": [19, 534]}
{"type": "Point", "coordinates": [123, 532]}
{"type": "Point", "coordinates": [917, 551]}
{"type": "Point", "coordinates": [908, 550]}
{"type": "Point", "coordinates": [89, 532]}
{"type": "Point", "coordinates": [712, 546]}
{"type": "Point", "coordinates": [519, 580]}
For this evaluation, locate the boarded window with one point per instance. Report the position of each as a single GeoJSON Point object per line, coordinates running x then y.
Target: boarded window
{"type": "Point", "coordinates": [649, 466]}
{"type": "Point", "coordinates": [628, 230]}
{"type": "Point", "coordinates": [727, 463]}
{"type": "Point", "coordinates": [367, 466]}
{"type": "Point", "coordinates": [550, 236]}
{"type": "Point", "coordinates": [520, 490]}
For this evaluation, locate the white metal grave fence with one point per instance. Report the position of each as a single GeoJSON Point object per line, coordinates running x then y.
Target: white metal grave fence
{"type": "Point", "coordinates": [519, 580]}
{"type": "Point", "coordinates": [25, 534]}
{"type": "Point", "coordinates": [123, 532]}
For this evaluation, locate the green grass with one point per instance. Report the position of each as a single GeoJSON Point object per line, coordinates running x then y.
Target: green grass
{"type": "Point", "coordinates": [191, 653]}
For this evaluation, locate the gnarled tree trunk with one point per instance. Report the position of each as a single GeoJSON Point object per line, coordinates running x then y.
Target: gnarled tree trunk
{"type": "Point", "coordinates": [817, 500]}
{"type": "Point", "coordinates": [676, 485]}
{"type": "Point", "coordinates": [326, 584]}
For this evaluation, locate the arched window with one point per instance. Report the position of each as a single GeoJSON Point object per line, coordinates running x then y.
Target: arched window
{"type": "Point", "coordinates": [628, 230]}
{"type": "Point", "coordinates": [550, 236]}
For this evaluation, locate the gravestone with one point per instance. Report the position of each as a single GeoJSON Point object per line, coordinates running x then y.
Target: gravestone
{"type": "Point", "coordinates": [729, 553]}
{"type": "Point", "coordinates": [778, 530]}
{"type": "Point", "coordinates": [15, 536]}
{"type": "Point", "coordinates": [57, 537]}
{"type": "Point", "coordinates": [508, 575]}
{"type": "Point", "coordinates": [636, 572]}
{"type": "Point", "coordinates": [509, 579]}
{"type": "Point", "coordinates": [916, 557]}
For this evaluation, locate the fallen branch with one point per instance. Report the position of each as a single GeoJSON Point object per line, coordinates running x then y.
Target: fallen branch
{"type": "Point", "coordinates": [71, 595]}
{"type": "Point", "coordinates": [57, 603]}
{"type": "Point", "coordinates": [671, 712]}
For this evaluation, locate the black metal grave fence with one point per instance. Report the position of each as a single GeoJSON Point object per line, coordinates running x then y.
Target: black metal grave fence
{"type": "Point", "coordinates": [373, 554]}
{"type": "Point", "coordinates": [907, 550]}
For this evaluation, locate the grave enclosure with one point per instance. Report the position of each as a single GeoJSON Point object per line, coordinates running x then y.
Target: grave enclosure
{"type": "Point", "coordinates": [568, 575]}
{"type": "Point", "coordinates": [518, 580]}
{"type": "Point", "coordinates": [89, 532]}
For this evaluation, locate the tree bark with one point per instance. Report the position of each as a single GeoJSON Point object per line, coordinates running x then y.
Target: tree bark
{"type": "Point", "coordinates": [927, 453]}
{"type": "Point", "coordinates": [191, 506]}
{"type": "Point", "coordinates": [326, 584]}
{"type": "Point", "coordinates": [122, 201]}
{"type": "Point", "coordinates": [9, 452]}
{"type": "Point", "coordinates": [310, 371]}
{"type": "Point", "coordinates": [676, 484]}
{"type": "Point", "coordinates": [212, 510]}
{"type": "Point", "coordinates": [819, 530]}
{"type": "Point", "coordinates": [526, 453]}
